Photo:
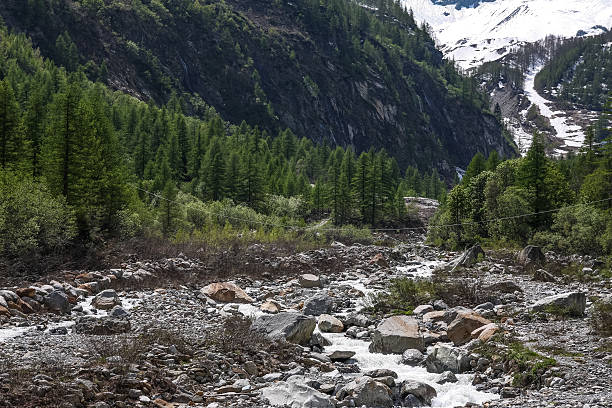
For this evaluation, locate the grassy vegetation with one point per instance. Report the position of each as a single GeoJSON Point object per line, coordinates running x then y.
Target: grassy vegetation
{"type": "Point", "coordinates": [526, 365]}
{"type": "Point", "coordinates": [559, 351]}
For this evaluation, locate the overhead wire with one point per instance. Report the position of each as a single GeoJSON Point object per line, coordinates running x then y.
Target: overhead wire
{"type": "Point", "coordinates": [300, 228]}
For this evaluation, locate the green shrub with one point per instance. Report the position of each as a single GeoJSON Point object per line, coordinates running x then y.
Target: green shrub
{"type": "Point", "coordinates": [31, 218]}
{"type": "Point", "coordinates": [601, 316]}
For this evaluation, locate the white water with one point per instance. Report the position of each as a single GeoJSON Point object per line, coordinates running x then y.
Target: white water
{"type": "Point", "coordinates": [571, 135]}
{"type": "Point", "coordinates": [449, 395]}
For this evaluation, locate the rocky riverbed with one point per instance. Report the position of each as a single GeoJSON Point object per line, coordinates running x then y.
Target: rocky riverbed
{"type": "Point", "coordinates": [305, 331]}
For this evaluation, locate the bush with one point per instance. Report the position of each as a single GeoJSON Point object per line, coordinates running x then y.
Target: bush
{"type": "Point", "coordinates": [580, 229]}
{"type": "Point", "coordinates": [601, 316]}
{"type": "Point", "coordinates": [403, 295]}
{"type": "Point", "coordinates": [31, 218]}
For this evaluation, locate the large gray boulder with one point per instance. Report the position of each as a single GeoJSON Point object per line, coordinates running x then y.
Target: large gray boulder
{"type": "Point", "coordinates": [424, 392]}
{"type": "Point", "coordinates": [571, 303]}
{"type": "Point", "coordinates": [329, 324]}
{"type": "Point", "coordinates": [367, 391]}
{"type": "Point", "coordinates": [397, 334]}
{"type": "Point", "coordinates": [309, 280]}
{"type": "Point", "coordinates": [446, 358]}
{"type": "Point", "coordinates": [293, 327]}
{"type": "Point", "coordinates": [470, 256]}
{"type": "Point", "coordinates": [106, 300]}
{"type": "Point", "coordinates": [102, 326]}
{"type": "Point", "coordinates": [531, 254]}
{"type": "Point", "coordinates": [318, 304]}
{"type": "Point", "coordinates": [57, 301]}
{"type": "Point", "coordinates": [294, 393]}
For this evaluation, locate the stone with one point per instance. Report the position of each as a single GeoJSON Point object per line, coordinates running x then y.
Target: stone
{"type": "Point", "coordinates": [3, 303]}
{"type": "Point", "coordinates": [422, 309]}
{"type": "Point", "coordinates": [329, 324]}
{"type": "Point", "coordinates": [309, 280]}
{"type": "Point", "coordinates": [102, 326]}
{"type": "Point", "coordinates": [572, 303]}
{"type": "Point", "coordinates": [367, 391]}
{"type": "Point", "coordinates": [270, 306]}
{"type": "Point", "coordinates": [119, 312]}
{"type": "Point", "coordinates": [340, 355]}
{"type": "Point", "coordinates": [106, 300]}
{"type": "Point", "coordinates": [318, 304]}
{"type": "Point", "coordinates": [440, 305]}
{"type": "Point", "coordinates": [357, 319]}
{"type": "Point", "coordinates": [460, 329]}
{"type": "Point", "coordinates": [446, 377]}
{"type": "Point", "coordinates": [444, 357]}
{"type": "Point", "coordinates": [4, 311]}
{"type": "Point", "coordinates": [412, 357]}
{"type": "Point", "coordinates": [531, 254]}
{"type": "Point", "coordinates": [293, 327]}
{"type": "Point", "coordinates": [379, 259]}
{"type": "Point", "coordinates": [543, 276]}
{"type": "Point", "coordinates": [317, 339]}
{"type": "Point", "coordinates": [503, 287]}
{"type": "Point", "coordinates": [397, 334]}
{"type": "Point", "coordinates": [436, 316]}
{"type": "Point", "coordinates": [226, 292]}
{"type": "Point", "coordinates": [424, 392]}
{"type": "Point", "coordinates": [9, 295]}
{"type": "Point", "coordinates": [26, 292]}
{"type": "Point", "coordinates": [294, 393]}
{"type": "Point", "coordinates": [484, 333]}
{"type": "Point", "coordinates": [470, 256]}
{"type": "Point", "coordinates": [381, 372]}
{"type": "Point", "coordinates": [57, 301]}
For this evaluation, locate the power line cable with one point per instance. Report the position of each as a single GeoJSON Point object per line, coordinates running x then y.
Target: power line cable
{"type": "Point", "coordinates": [298, 228]}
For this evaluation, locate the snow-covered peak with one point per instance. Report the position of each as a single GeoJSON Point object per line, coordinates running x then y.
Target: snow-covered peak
{"type": "Point", "coordinates": [473, 32]}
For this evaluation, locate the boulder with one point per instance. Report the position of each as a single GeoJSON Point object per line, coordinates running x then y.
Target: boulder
{"type": "Point", "coordinates": [317, 339]}
{"type": "Point", "coordinates": [310, 281]}
{"type": "Point", "coordinates": [446, 377]}
{"type": "Point", "coordinates": [293, 327]}
{"type": "Point", "coordinates": [270, 306]}
{"type": "Point", "coordinates": [226, 292]}
{"type": "Point", "coordinates": [531, 254]}
{"type": "Point", "coordinates": [367, 391]}
{"type": "Point", "coordinates": [4, 311]}
{"type": "Point", "coordinates": [26, 292]}
{"type": "Point", "coordinates": [57, 301]}
{"type": "Point", "coordinates": [397, 334]}
{"type": "Point", "coordinates": [484, 333]}
{"type": "Point", "coordinates": [329, 324]}
{"type": "Point", "coordinates": [379, 259]}
{"type": "Point", "coordinates": [412, 357]}
{"type": "Point", "coordinates": [119, 312]}
{"type": "Point", "coordinates": [435, 316]}
{"type": "Point", "coordinates": [102, 326]}
{"type": "Point", "coordinates": [422, 309]}
{"type": "Point", "coordinates": [9, 295]}
{"type": "Point", "coordinates": [543, 276]}
{"type": "Point", "coordinates": [381, 372]}
{"type": "Point", "coordinates": [318, 304]}
{"type": "Point", "coordinates": [106, 300]}
{"type": "Point", "coordinates": [3, 303]}
{"type": "Point", "coordinates": [294, 393]}
{"type": "Point", "coordinates": [572, 303]}
{"type": "Point", "coordinates": [502, 287]}
{"type": "Point", "coordinates": [424, 392]}
{"type": "Point", "coordinates": [357, 319]}
{"type": "Point", "coordinates": [460, 329]}
{"type": "Point", "coordinates": [444, 357]}
{"type": "Point", "coordinates": [470, 256]}
{"type": "Point", "coordinates": [340, 355]}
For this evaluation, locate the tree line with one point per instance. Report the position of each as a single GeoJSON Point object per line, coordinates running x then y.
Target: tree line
{"type": "Point", "coordinates": [79, 161]}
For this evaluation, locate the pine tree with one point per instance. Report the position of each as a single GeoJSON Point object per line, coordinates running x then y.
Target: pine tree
{"type": "Point", "coordinates": [361, 184]}
{"type": "Point", "coordinates": [11, 141]}
{"type": "Point", "coordinates": [213, 172]}
{"type": "Point", "coordinates": [61, 149]}
{"type": "Point", "coordinates": [476, 166]}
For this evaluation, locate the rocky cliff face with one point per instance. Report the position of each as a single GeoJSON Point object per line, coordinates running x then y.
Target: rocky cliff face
{"type": "Point", "coordinates": [273, 66]}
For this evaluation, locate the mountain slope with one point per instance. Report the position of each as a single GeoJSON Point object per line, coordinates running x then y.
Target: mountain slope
{"type": "Point", "coordinates": [486, 31]}
{"type": "Point", "coordinates": [333, 72]}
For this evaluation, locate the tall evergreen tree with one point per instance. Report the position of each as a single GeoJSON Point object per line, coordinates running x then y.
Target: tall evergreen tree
{"type": "Point", "coordinates": [11, 141]}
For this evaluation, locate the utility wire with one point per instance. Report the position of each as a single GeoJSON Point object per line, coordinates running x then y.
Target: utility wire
{"type": "Point", "coordinates": [298, 228]}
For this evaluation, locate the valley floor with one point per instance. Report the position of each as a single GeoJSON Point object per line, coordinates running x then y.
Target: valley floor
{"type": "Point", "coordinates": [181, 348]}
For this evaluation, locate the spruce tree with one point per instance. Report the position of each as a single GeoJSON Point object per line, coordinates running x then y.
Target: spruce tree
{"type": "Point", "coordinates": [11, 140]}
